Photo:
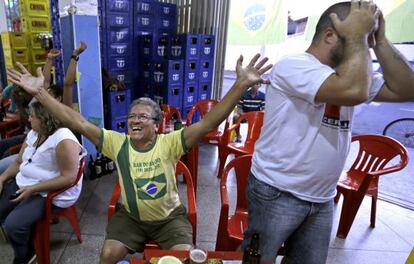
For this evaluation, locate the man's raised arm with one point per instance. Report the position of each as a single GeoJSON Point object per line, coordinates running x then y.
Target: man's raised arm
{"type": "Point", "coordinates": [69, 117]}
{"type": "Point", "coordinates": [246, 77]}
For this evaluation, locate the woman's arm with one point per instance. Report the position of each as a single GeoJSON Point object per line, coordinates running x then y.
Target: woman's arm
{"type": "Point", "coordinates": [67, 156]}
{"type": "Point", "coordinates": [13, 168]}
{"type": "Point", "coordinates": [50, 59]}
{"type": "Point", "coordinates": [70, 76]}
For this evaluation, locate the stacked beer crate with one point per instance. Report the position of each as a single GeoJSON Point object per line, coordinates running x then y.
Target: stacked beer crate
{"type": "Point", "coordinates": [35, 16]}
{"type": "Point", "coordinates": [197, 52]}
{"type": "Point", "coordinates": [159, 76]}
{"type": "Point", "coordinates": [117, 58]}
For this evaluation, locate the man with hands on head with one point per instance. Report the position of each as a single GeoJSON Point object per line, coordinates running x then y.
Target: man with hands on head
{"type": "Point", "coordinates": [291, 186]}
{"type": "Point", "coordinates": [146, 162]}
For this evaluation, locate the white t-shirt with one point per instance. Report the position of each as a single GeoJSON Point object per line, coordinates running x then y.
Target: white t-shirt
{"type": "Point", "coordinates": [303, 144]}
{"type": "Point", "coordinates": [43, 165]}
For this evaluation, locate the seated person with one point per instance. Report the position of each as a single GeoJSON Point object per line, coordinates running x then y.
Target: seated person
{"type": "Point", "coordinates": [151, 208]}
{"type": "Point", "coordinates": [6, 94]}
{"type": "Point", "coordinates": [22, 100]}
{"type": "Point", "coordinates": [48, 160]}
{"type": "Point", "coordinates": [252, 100]}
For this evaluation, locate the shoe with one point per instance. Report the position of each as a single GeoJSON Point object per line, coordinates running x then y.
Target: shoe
{"type": "Point", "coordinates": [238, 139]}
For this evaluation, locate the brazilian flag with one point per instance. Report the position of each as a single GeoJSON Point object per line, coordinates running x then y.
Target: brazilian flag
{"type": "Point", "coordinates": [257, 22]}
{"type": "Point", "coordinates": [151, 188]}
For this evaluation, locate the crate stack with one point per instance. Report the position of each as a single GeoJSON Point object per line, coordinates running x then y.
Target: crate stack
{"type": "Point", "coordinates": [15, 49]}
{"type": "Point", "coordinates": [35, 16]}
{"type": "Point", "coordinates": [197, 52]}
{"type": "Point", "coordinates": [159, 77]}
{"type": "Point", "coordinates": [57, 42]}
{"type": "Point", "coordinates": [117, 58]}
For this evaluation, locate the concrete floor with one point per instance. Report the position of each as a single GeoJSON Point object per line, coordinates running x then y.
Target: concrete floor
{"type": "Point", "coordinates": [389, 242]}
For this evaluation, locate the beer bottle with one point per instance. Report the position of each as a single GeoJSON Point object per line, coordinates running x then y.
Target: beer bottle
{"type": "Point", "coordinates": [91, 166]}
{"type": "Point", "coordinates": [251, 253]}
{"type": "Point", "coordinates": [98, 166]}
{"type": "Point", "coordinates": [111, 165]}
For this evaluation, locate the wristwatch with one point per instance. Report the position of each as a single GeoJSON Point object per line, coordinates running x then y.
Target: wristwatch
{"type": "Point", "coordinates": [76, 58]}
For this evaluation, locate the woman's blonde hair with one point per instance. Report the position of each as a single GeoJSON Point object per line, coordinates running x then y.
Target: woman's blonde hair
{"type": "Point", "coordinates": [48, 123]}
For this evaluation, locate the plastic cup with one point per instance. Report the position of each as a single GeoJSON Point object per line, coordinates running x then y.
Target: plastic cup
{"type": "Point", "coordinates": [198, 256]}
{"type": "Point", "coordinates": [169, 260]}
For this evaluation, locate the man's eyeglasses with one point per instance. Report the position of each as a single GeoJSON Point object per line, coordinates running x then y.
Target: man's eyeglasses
{"type": "Point", "coordinates": [141, 118]}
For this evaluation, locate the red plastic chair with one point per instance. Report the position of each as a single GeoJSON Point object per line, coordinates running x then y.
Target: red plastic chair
{"type": "Point", "coordinates": [255, 122]}
{"type": "Point", "coordinates": [375, 151]}
{"type": "Point", "coordinates": [14, 132]}
{"type": "Point", "coordinates": [202, 108]}
{"type": "Point", "coordinates": [192, 209]}
{"type": "Point", "coordinates": [42, 228]}
{"type": "Point", "coordinates": [231, 226]}
{"type": "Point", "coordinates": [169, 114]}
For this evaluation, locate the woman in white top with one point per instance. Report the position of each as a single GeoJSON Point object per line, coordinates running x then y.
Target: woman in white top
{"type": "Point", "coordinates": [48, 160]}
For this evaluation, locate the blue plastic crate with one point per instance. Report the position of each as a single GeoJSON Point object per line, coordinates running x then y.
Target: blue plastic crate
{"type": "Point", "coordinates": [118, 6]}
{"type": "Point", "coordinates": [126, 77]}
{"type": "Point", "coordinates": [207, 44]}
{"type": "Point", "coordinates": [118, 35]}
{"type": "Point", "coordinates": [166, 24]}
{"type": "Point", "coordinates": [153, 46]}
{"type": "Point", "coordinates": [204, 91]}
{"type": "Point", "coordinates": [119, 63]}
{"type": "Point", "coordinates": [145, 68]}
{"type": "Point", "coordinates": [190, 91]}
{"type": "Point", "coordinates": [145, 7]}
{"type": "Point", "coordinates": [118, 20]}
{"type": "Point", "coordinates": [205, 69]}
{"type": "Point", "coordinates": [166, 10]}
{"type": "Point", "coordinates": [191, 70]}
{"type": "Point", "coordinates": [185, 46]}
{"type": "Point", "coordinates": [143, 89]}
{"type": "Point", "coordinates": [165, 73]}
{"type": "Point", "coordinates": [144, 22]}
{"type": "Point", "coordinates": [118, 103]}
{"type": "Point", "coordinates": [119, 49]}
{"type": "Point", "coordinates": [170, 94]}
{"type": "Point", "coordinates": [118, 124]}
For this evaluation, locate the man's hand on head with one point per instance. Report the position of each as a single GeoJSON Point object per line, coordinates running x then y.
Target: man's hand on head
{"type": "Point", "coordinates": [360, 21]}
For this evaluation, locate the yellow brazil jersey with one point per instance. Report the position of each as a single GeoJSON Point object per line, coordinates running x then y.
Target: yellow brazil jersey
{"type": "Point", "coordinates": [147, 177]}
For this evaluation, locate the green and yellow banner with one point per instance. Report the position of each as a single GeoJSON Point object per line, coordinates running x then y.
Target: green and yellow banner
{"type": "Point", "coordinates": [257, 22]}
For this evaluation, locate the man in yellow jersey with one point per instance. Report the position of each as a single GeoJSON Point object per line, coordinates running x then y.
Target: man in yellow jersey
{"type": "Point", "coordinates": [146, 162]}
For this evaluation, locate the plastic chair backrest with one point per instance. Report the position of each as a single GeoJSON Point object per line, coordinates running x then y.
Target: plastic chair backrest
{"type": "Point", "coordinates": [169, 113]}
{"type": "Point", "coordinates": [241, 166]}
{"type": "Point", "coordinates": [203, 107]}
{"type": "Point", "coordinates": [375, 151]}
{"type": "Point", "coordinates": [78, 176]}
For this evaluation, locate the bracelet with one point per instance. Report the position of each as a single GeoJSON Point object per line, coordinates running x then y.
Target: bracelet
{"type": "Point", "coordinates": [76, 58]}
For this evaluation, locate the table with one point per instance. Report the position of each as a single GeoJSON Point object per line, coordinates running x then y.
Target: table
{"type": "Point", "coordinates": [156, 253]}
{"type": "Point", "coordinates": [11, 120]}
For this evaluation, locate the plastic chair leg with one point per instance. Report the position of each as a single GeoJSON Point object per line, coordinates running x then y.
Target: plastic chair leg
{"type": "Point", "coordinates": [71, 215]}
{"type": "Point", "coordinates": [222, 161]}
{"type": "Point", "coordinates": [349, 210]}
{"type": "Point", "coordinates": [41, 241]}
{"type": "Point", "coordinates": [373, 209]}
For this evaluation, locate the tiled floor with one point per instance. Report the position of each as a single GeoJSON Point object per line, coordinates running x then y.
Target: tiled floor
{"type": "Point", "coordinates": [389, 242]}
